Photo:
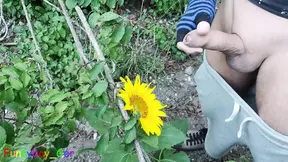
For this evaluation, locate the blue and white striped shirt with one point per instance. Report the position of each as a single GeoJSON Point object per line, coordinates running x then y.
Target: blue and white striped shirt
{"type": "Point", "coordinates": [197, 11]}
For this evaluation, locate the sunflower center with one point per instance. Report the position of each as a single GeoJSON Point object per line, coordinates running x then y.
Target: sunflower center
{"type": "Point", "coordinates": [139, 105]}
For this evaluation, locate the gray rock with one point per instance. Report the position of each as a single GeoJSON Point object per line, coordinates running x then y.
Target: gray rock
{"type": "Point", "coordinates": [189, 70]}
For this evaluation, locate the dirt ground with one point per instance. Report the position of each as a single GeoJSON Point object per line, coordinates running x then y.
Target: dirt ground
{"type": "Point", "coordinates": [176, 88]}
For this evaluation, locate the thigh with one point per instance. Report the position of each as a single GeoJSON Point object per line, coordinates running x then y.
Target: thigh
{"type": "Point", "coordinates": [272, 92]}
{"type": "Point", "coordinates": [223, 22]}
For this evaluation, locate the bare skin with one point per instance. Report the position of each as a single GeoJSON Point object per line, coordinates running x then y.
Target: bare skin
{"type": "Point", "coordinates": [242, 40]}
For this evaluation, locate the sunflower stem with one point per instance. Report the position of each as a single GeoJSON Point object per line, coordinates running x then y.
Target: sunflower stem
{"type": "Point", "coordinates": [160, 154]}
{"type": "Point", "coordinates": [108, 75]}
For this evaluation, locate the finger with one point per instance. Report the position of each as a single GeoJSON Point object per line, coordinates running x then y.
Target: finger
{"type": "Point", "coordinates": [188, 50]}
{"type": "Point", "coordinates": [230, 44]}
{"type": "Point", "coordinates": [203, 28]}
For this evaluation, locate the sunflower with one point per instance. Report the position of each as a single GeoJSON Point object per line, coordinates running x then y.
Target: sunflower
{"type": "Point", "coordinates": [139, 98]}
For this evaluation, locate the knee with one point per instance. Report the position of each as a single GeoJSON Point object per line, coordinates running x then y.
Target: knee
{"type": "Point", "coordinates": [273, 119]}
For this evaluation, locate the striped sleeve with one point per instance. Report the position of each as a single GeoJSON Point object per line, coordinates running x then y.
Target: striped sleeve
{"type": "Point", "coordinates": [197, 11]}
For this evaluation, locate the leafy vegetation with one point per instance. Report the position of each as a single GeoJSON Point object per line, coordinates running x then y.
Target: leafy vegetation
{"type": "Point", "coordinates": [39, 110]}
{"type": "Point", "coordinates": [35, 115]}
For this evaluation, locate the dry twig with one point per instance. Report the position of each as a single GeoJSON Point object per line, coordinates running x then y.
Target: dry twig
{"type": "Point", "coordinates": [75, 37]}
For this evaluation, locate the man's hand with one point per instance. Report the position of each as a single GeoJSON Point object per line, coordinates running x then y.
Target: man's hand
{"type": "Point", "coordinates": [197, 40]}
{"type": "Point", "coordinates": [203, 29]}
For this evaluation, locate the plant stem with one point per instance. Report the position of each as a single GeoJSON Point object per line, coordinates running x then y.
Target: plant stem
{"type": "Point", "coordinates": [36, 44]}
{"type": "Point", "coordinates": [160, 154]}
{"type": "Point", "coordinates": [101, 57]}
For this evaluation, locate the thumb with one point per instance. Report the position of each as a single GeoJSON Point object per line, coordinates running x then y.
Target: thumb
{"type": "Point", "coordinates": [230, 44]}
{"type": "Point", "coordinates": [203, 28]}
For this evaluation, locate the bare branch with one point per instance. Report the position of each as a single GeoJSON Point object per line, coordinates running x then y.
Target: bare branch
{"type": "Point", "coordinates": [96, 46]}
{"type": "Point", "coordinates": [75, 37]}
{"type": "Point", "coordinates": [59, 10]}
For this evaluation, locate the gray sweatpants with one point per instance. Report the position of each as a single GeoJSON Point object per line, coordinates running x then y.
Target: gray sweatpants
{"type": "Point", "coordinates": [232, 121]}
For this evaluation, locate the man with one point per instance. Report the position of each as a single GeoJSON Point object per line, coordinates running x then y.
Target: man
{"type": "Point", "coordinates": [247, 45]}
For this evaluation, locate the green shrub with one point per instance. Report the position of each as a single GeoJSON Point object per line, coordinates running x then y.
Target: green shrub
{"type": "Point", "coordinates": [169, 7]}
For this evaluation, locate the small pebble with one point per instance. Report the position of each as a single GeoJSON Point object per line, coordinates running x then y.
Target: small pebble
{"type": "Point", "coordinates": [189, 70]}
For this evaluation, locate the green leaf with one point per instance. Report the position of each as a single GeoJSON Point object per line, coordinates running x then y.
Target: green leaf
{"type": "Point", "coordinates": [116, 156]}
{"type": "Point", "coordinates": [47, 95]}
{"type": "Point", "coordinates": [130, 158]}
{"type": "Point", "coordinates": [9, 129]}
{"type": "Point", "coordinates": [62, 33]}
{"type": "Point", "coordinates": [102, 144]}
{"type": "Point", "coordinates": [120, 2]}
{"type": "Point", "coordinates": [170, 136]}
{"type": "Point", "coordinates": [61, 107]}
{"type": "Point", "coordinates": [111, 3]}
{"type": "Point", "coordinates": [112, 132]}
{"type": "Point", "coordinates": [25, 78]}
{"type": "Point", "coordinates": [150, 140]}
{"type": "Point", "coordinates": [91, 117]}
{"type": "Point", "coordinates": [128, 34]}
{"type": "Point", "coordinates": [116, 121]}
{"type": "Point", "coordinates": [87, 95]}
{"type": "Point", "coordinates": [108, 16]}
{"type": "Point", "coordinates": [130, 135]}
{"type": "Point", "coordinates": [57, 98]}
{"type": "Point", "coordinates": [24, 95]}
{"type": "Point", "coordinates": [3, 80]}
{"type": "Point", "coordinates": [9, 95]}
{"type": "Point", "coordinates": [15, 107]}
{"type": "Point", "coordinates": [114, 145]}
{"type": "Point", "coordinates": [181, 124]}
{"type": "Point", "coordinates": [48, 109]}
{"type": "Point", "coordinates": [71, 4]}
{"type": "Point", "coordinates": [45, 39]}
{"type": "Point", "coordinates": [3, 136]}
{"type": "Point", "coordinates": [15, 83]}
{"type": "Point", "coordinates": [102, 1]}
{"type": "Point", "coordinates": [86, 3]}
{"type": "Point", "coordinates": [21, 66]}
{"type": "Point", "coordinates": [102, 111]}
{"type": "Point", "coordinates": [95, 71]}
{"type": "Point", "coordinates": [93, 19]}
{"type": "Point", "coordinates": [132, 121]}
{"type": "Point", "coordinates": [83, 89]}
{"type": "Point", "coordinates": [10, 71]}
{"type": "Point", "coordinates": [118, 33]}
{"type": "Point", "coordinates": [80, 2]}
{"type": "Point", "coordinates": [178, 157]}
{"type": "Point", "coordinates": [100, 87]}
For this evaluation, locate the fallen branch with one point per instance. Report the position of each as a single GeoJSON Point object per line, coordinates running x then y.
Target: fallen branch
{"type": "Point", "coordinates": [101, 57]}
{"type": "Point", "coordinates": [36, 44]}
